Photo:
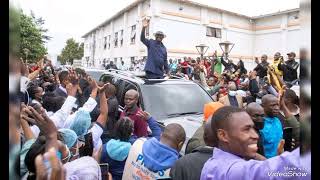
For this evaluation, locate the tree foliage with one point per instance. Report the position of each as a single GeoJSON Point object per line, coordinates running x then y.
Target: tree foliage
{"type": "Point", "coordinates": [73, 50]}
{"type": "Point", "coordinates": [32, 37]}
{"type": "Point", "coordinates": [14, 31]}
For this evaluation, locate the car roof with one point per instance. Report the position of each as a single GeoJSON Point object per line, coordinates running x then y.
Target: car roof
{"type": "Point", "coordinates": [141, 80]}
{"type": "Point", "coordinates": [97, 70]}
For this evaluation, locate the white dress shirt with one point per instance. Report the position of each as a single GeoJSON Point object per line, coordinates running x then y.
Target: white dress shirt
{"type": "Point", "coordinates": [60, 116]}
{"type": "Point", "coordinates": [88, 106]}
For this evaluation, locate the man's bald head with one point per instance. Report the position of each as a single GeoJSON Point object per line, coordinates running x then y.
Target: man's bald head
{"type": "Point", "coordinates": [208, 135]}
{"type": "Point", "coordinates": [131, 98]}
{"type": "Point", "coordinates": [264, 58]}
{"type": "Point", "coordinates": [270, 105]}
{"type": "Point", "coordinates": [253, 107]}
{"type": "Point", "coordinates": [256, 111]}
{"type": "Point", "coordinates": [174, 136]}
{"type": "Point", "coordinates": [133, 93]}
{"type": "Point", "coordinates": [267, 98]}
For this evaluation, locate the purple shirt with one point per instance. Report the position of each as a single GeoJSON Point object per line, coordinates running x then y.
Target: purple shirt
{"type": "Point", "coordinates": [223, 165]}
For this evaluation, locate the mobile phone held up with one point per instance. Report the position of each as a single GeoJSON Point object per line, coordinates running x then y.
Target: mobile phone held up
{"type": "Point", "coordinates": [287, 136]}
{"type": "Point", "coordinates": [104, 171]}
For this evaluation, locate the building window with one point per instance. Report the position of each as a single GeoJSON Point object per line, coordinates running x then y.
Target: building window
{"type": "Point", "coordinates": [133, 34]}
{"type": "Point", "coordinates": [109, 41]}
{"type": "Point", "coordinates": [116, 39]}
{"type": "Point", "coordinates": [213, 32]}
{"type": "Point", "coordinates": [132, 59]}
{"type": "Point", "coordinates": [121, 37]}
{"type": "Point", "coordinates": [105, 43]}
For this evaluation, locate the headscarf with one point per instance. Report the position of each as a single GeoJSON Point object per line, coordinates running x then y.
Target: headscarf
{"type": "Point", "coordinates": [210, 108]}
{"type": "Point", "coordinates": [69, 137]}
{"type": "Point", "coordinates": [84, 168]}
{"type": "Point", "coordinates": [81, 123]}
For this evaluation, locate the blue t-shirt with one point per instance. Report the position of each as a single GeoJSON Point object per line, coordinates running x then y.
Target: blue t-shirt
{"type": "Point", "coordinates": [271, 135]}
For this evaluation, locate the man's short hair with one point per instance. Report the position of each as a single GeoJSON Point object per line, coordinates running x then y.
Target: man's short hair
{"type": "Point", "coordinates": [63, 75]}
{"type": "Point", "coordinates": [221, 117]}
{"type": "Point", "coordinates": [111, 90]}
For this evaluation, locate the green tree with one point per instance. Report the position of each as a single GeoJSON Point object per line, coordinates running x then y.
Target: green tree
{"type": "Point", "coordinates": [71, 51]}
{"type": "Point", "coordinates": [32, 37]}
{"type": "Point", "coordinates": [14, 23]}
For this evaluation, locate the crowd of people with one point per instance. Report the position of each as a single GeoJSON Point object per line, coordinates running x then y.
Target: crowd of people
{"type": "Point", "coordinates": [70, 126]}
{"type": "Point", "coordinates": [135, 65]}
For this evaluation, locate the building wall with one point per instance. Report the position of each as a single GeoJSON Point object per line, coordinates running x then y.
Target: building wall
{"type": "Point", "coordinates": [185, 27]}
{"type": "Point", "coordinates": [123, 22]}
{"type": "Point", "coordinates": [278, 33]}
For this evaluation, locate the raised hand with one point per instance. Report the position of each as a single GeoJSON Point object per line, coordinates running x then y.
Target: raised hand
{"type": "Point", "coordinates": [57, 170]}
{"type": "Point", "coordinates": [256, 60]}
{"type": "Point", "coordinates": [45, 124]}
{"type": "Point", "coordinates": [24, 114]}
{"type": "Point", "coordinates": [102, 88]}
{"type": "Point", "coordinates": [280, 149]}
{"type": "Point", "coordinates": [93, 83]}
{"type": "Point", "coordinates": [73, 77]}
{"type": "Point", "coordinates": [144, 115]}
{"type": "Point", "coordinates": [72, 89]}
{"type": "Point", "coordinates": [41, 63]}
{"type": "Point", "coordinates": [145, 22]}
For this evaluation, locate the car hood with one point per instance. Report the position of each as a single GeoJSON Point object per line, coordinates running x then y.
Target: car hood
{"type": "Point", "coordinates": [189, 123]}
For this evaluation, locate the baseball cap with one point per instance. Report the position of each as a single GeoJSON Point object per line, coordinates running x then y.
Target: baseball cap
{"type": "Point", "coordinates": [159, 33]}
{"type": "Point", "coordinates": [291, 53]}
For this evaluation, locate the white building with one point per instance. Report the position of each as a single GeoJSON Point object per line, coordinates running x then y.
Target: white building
{"type": "Point", "coordinates": [187, 24]}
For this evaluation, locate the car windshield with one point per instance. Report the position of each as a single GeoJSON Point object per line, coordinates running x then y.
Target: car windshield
{"type": "Point", "coordinates": [95, 74]}
{"type": "Point", "coordinates": [170, 100]}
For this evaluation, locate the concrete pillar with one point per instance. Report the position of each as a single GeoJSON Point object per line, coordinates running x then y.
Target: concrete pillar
{"type": "Point", "coordinates": [225, 26]}
{"type": "Point", "coordinates": [204, 16]}
{"type": "Point", "coordinates": [126, 39]}
{"type": "Point", "coordinates": [284, 34]}
{"type": "Point", "coordinates": [112, 40]}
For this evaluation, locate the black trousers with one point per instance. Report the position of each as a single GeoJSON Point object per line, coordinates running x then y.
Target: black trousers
{"type": "Point", "coordinates": [151, 75]}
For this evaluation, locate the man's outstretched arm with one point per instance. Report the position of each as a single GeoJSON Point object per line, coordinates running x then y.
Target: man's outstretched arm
{"type": "Point", "coordinates": [143, 39]}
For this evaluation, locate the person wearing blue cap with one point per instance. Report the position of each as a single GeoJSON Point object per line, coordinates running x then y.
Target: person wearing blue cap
{"type": "Point", "coordinates": [69, 137]}
{"type": "Point", "coordinates": [81, 123]}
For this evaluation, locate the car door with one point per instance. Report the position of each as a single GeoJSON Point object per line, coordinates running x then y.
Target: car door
{"type": "Point", "coordinates": [106, 78]}
{"type": "Point", "coordinates": [127, 85]}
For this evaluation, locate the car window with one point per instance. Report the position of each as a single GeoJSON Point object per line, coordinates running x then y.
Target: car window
{"type": "Point", "coordinates": [95, 74]}
{"type": "Point", "coordinates": [166, 100]}
{"type": "Point", "coordinates": [127, 86]}
{"type": "Point", "coordinates": [106, 78]}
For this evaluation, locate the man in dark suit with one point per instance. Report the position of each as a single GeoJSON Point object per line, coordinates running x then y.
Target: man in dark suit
{"type": "Point", "coordinates": [64, 80]}
{"type": "Point", "coordinates": [157, 61]}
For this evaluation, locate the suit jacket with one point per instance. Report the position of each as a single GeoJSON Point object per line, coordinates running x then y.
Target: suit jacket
{"type": "Point", "coordinates": [225, 100]}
